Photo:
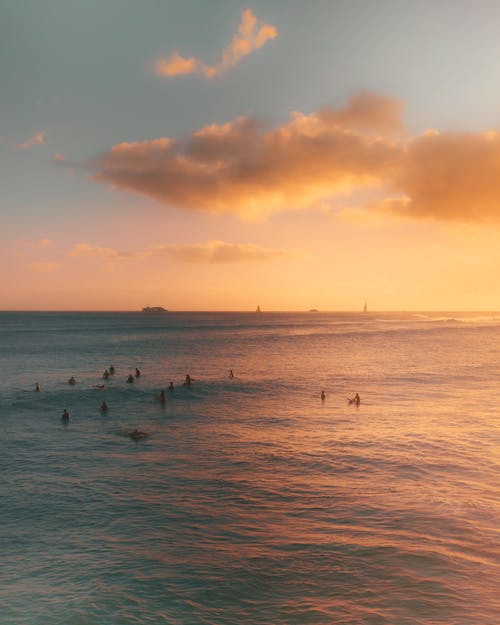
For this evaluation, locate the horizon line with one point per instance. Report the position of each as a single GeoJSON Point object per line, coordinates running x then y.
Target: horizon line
{"type": "Point", "coordinates": [301, 310]}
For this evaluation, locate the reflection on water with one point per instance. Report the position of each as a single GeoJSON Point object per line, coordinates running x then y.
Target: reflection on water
{"type": "Point", "coordinates": [252, 501]}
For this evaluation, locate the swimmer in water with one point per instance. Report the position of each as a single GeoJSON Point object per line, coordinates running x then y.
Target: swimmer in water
{"type": "Point", "coordinates": [189, 380]}
{"type": "Point", "coordinates": [105, 375]}
{"type": "Point", "coordinates": [112, 370]}
{"type": "Point", "coordinates": [171, 386]}
{"type": "Point", "coordinates": [104, 406]}
{"type": "Point", "coordinates": [37, 387]}
{"type": "Point", "coordinates": [65, 416]}
{"type": "Point", "coordinates": [72, 381]}
{"type": "Point", "coordinates": [323, 395]}
{"type": "Point", "coordinates": [137, 435]}
{"type": "Point", "coordinates": [137, 373]}
{"type": "Point", "coordinates": [130, 379]}
{"type": "Point", "coordinates": [163, 397]}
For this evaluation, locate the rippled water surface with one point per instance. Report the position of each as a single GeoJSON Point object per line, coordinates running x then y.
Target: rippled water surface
{"type": "Point", "coordinates": [252, 501]}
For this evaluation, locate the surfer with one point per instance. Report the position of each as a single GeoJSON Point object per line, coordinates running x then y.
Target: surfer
{"type": "Point", "coordinates": [163, 397]}
{"type": "Point", "coordinates": [137, 435]}
{"type": "Point", "coordinates": [112, 370]}
{"type": "Point", "coordinates": [171, 387]}
{"type": "Point", "coordinates": [323, 395]}
{"type": "Point", "coordinates": [105, 375]}
{"type": "Point", "coordinates": [137, 373]}
{"type": "Point", "coordinates": [130, 379]}
{"type": "Point", "coordinates": [37, 387]}
{"type": "Point", "coordinates": [355, 400]}
{"type": "Point", "coordinates": [189, 380]}
{"type": "Point", "coordinates": [104, 406]}
{"type": "Point", "coordinates": [65, 416]}
{"type": "Point", "coordinates": [72, 381]}
{"type": "Point", "coordinates": [231, 374]}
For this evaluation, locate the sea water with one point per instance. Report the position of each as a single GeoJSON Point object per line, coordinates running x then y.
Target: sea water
{"type": "Point", "coordinates": [251, 500]}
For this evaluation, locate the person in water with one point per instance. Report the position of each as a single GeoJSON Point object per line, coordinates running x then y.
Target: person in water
{"type": "Point", "coordinates": [105, 375]}
{"type": "Point", "coordinates": [130, 379]}
{"type": "Point", "coordinates": [65, 416]}
{"type": "Point", "coordinates": [104, 406]}
{"type": "Point", "coordinates": [231, 374]}
{"type": "Point", "coordinates": [112, 370]}
{"type": "Point", "coordinates": [137, 435]}
{"type": "Point", "coordinates": [72, 381]}
{"type": "Point", "coordinates": [137, 373]}
{"type": "Point", "coordinates": [323, 395]}
{"type": "Point", "coordinates": [171, 387]}
{"type": "Point", "coordinates": [189, 380]}
{"type": "Point", "coordinates": [37, 387]}
{"type": "Point", "coordinates": [163, 397]}
{"type": "Point", "coordinates": [357, 399]}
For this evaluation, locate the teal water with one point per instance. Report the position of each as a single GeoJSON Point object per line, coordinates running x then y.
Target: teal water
{"type": "Point", "coordinates": [251, 501]}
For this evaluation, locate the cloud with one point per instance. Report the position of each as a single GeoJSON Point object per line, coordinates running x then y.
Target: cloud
{"type": "Point", "coordinates": [451, 177]}
{"type": "Point", "coordinates": [242, 168]}
{"type": "Point", "coordinates": [84, 250]}
{"type": "Point", "coordinates": [220, 252]}
{"type": "Point", "coordinates": [368, 111]}
{"type": "Point", "coordinates": [209, 252]}
{"type": "Point", "coordinates": [45, 242]}
{"type": "Point", "coordinates": [177, 65]}
{"type": "Point", "coordinates": [45, 266]}
{"type": "Point", "coordinates": [250, 37]}
{"type": "Point", "coordinates": [37, 139]}
{"type": "Point", "coordinates": [248, 170]}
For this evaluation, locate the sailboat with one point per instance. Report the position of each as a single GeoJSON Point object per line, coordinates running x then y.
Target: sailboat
{"type": "Point", "coordinates": [365, 308]}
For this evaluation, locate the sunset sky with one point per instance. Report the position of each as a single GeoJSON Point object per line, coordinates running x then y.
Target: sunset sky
{"type": "Point", "coordinates": [219, 155]}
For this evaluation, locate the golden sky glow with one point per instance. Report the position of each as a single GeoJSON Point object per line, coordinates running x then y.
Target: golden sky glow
{"type": "Point", "coordinates": [307, 174]}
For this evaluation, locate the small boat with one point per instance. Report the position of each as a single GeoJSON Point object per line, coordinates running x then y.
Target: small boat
{"type": "Point", "coordinates": [154, 309]}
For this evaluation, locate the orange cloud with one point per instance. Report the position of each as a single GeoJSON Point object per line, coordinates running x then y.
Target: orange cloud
{"type": "Point", "coordinates": [45, 266]}
{"type": "Point", "coordinates": [37, 139]}
{"type": "Point", "coordinates": [209, 252]}
{"type": "Point", "coordinates": [84, 250]}
{"type": "Point", "coordinates": [220, 252]}
{"type": "Point", "coordinates": [245, 169]}
{"type": "Point", "coordinates": [451, 177]}
{"type": "Point", "coordinates": [241, 168]}
{"type": "Point", "coordinates": [176, 65]}
{"type": "Point", "coordinates": [368, 111]}
{"type": "Point", "coordinates": [249, 38]}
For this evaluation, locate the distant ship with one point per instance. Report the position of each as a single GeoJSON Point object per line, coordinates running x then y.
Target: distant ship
{"type": "Point", "coordinates": [313, 310]}
{"type": "Point", "coordinates": [154, 309]}
{"type": "Point", "coordinates": [258, 309]}
{"type": "Point", "coordinates": [365, 308]}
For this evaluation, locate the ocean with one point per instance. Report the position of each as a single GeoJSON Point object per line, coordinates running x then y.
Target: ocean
{"type": "Point", "coordinates": [251, 500]}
